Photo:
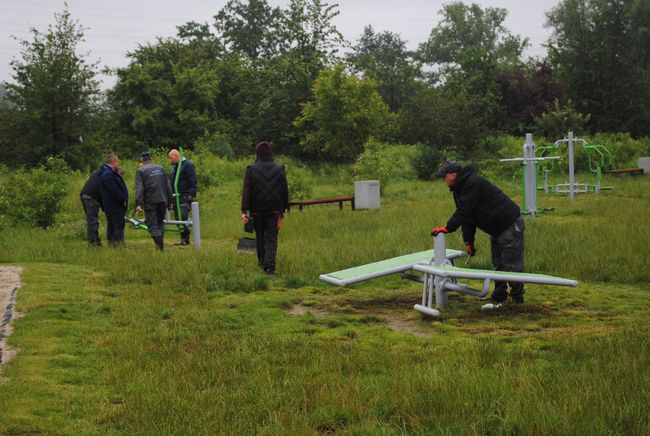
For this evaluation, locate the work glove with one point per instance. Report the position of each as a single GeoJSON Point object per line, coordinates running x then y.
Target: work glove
{"type": "Point", "coordinates": [437, 230]}
{"type": "Point", "coordinates": [470, 250]}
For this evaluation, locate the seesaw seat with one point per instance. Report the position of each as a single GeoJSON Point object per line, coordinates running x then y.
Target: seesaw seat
{"type": "Point", "coordinates": [383, 267]}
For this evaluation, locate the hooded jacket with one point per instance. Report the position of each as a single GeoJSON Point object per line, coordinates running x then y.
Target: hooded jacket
{"type": "Point", "coordinates": [480, 204]}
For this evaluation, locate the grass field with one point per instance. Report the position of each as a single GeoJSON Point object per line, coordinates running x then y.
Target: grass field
{"type": "Point", "coordinates": [201, 342]}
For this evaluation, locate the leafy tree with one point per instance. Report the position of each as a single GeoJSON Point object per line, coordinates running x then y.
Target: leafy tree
{"type": "Point", "coordinates": [251, 28]}
{"type": "Point", "coordinates": [52, 100]}
{"type": "Point", "coordinates": [442, 118]}
{"type": "Point", "coordinates": [384, 58]}
{"type": "Point", "coordinates": [345, 112]}
{"type": "Point", "coordinates": [168, 92]}
{"type": "Point", "coordinates": [466, 50]}
{"type": "Point", "coordinates": [527, 92]}
{"type": "Point", "coordinates": [600, 49]}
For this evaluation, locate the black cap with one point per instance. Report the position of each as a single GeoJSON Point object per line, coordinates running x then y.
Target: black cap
{"type": "Point", "coordinates": [145, 155]}
{"type": "Point", "coordinates": [450, 166]}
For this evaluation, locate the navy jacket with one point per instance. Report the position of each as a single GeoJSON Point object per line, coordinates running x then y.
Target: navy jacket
{"type": "Point", "coordinates": [186, 180]}
{"type": "Point", "coordinates": [480, 204]}
{"type": "Point", "coordinates": [115, 195]}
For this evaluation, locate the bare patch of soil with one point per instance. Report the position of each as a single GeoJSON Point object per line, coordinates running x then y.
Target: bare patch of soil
{"type": "Point", "coordinates": [412, 326]}
{"type": "Point", "coordinates": [9, 283]}
{"type": "Point", "coordinates": [300, 310]}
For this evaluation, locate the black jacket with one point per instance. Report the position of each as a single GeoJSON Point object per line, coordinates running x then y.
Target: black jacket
{"type": "Point", "coordinates": [480, 204]}
{"type": "Point", "coordinates": [115, 195]}
{"type": "Point", "coordinates": [186, 180]}
{"type": "Point", "coordinates": [92, 186]}
{"type": "Point", "coordinates": [265, 188]}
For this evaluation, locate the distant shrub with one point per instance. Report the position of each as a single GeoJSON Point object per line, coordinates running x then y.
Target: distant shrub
{"type": "Point", "coordinates": [562, 119]}
{"type": "Point", "coordinates": [216, 143]}
{"type": "Point", "coordinates": [372, 164]}
{"type": "Point", "coordinates": [299, 178]}
{"type": "Point", "coordinates": [427, 160]}
{"type": "Point", "coordinates": [34, 197]}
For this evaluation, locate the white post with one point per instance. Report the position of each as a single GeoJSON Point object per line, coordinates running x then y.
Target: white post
{"type": "Point", "coordinates": [530, 178]}
{"type": "Point", "coordinates": [439, 258]}
{"type": "Point", "coordinates": [196, 224]}
{"type": "Point", "coordinates": [571, 169]}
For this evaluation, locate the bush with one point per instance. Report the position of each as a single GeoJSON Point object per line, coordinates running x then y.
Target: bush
{"type": "Point", "coordinates": [375, 163]}
{"type": "Point", "coordinates": [427, 160]}
{"type": "Point", "coordinates": [558, 122]}
{"type": "Point", "coordinates": [299, 178]}
{"type": "Point", "coordinates": [35, 196]}
{"type": "Point", "coordinates": [217, 144]}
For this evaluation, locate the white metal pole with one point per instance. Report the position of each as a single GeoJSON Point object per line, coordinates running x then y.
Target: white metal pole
{"type": "Point", "coordinates": [530, 180]}
{"type": "Point", "coordinates": [571, 169]}
{"type": "Point", "coordinates": [196, 224]}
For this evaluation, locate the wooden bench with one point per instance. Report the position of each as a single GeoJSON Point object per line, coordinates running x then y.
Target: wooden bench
{"type": "Point", "coordinates": [630, 171]}
{"type": "Point", "coordinates": [339, 200]}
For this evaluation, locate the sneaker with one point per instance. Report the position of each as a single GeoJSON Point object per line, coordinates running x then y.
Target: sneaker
{"type": "Point", "coordinates": [182, 243]}
{"type": "Point", "coordinates": [269, 271]}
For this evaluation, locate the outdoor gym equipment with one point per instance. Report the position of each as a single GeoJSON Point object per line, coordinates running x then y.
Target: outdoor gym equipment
{"type": "Point", "coordinates": [193, 221]}
{"type": "Point", "coordinates": [440, 275]}
{"type": "Point", "coordinates": [598, 156]}
{"type": "Point", "coordinates": [529, 175]}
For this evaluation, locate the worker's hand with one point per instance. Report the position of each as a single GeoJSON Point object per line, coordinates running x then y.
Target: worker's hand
{"type": "Point", "coordinates": [244, 218]}
{"type": "Point", "coordinates": [190, 198]}
{"type": "Point", "coordinates": [436, 230]}
{"type": "Point", "coordinates": [138, 209]}
{"type": "Point", "coordinates": [170, 206]}
{"type": "Point", "coordinates": [470, 250]}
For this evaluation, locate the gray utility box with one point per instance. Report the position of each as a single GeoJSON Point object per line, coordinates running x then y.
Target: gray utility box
{"type": "Point", "coordinates": [366, 194]}
{"type": "Point", "coordinates": [644, 162]}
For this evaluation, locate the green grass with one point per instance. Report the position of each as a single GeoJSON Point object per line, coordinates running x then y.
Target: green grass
{"type": "Point", "coordinates": [134, 341]}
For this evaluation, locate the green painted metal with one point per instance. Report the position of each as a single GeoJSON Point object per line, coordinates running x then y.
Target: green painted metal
{"type": "Point", "coordinates": [395, 262]}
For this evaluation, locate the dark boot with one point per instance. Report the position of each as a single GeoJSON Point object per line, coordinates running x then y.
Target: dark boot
{"type": "Point", "coordinates": [160, 244]}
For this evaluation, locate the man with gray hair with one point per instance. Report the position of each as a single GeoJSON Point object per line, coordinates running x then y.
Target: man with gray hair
{"type": "Point", "coordinates": [153, 193]}
{"type": "Point", "coordinates": [115, 199]}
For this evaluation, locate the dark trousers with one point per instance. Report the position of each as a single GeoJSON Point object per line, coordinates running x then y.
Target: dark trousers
{"type": "Point", "coordinates": [267, 226]}
{"type": "Point", "coordinates": [91, 210]}
{"type": "Point", "coordinates": [508, 255]}
{"type": "Point", "coordinates": [185, 213]}
{"type": "Point", "coordinates": [154, 217]}
{"type": "Point", "coordinates": [115, 228]}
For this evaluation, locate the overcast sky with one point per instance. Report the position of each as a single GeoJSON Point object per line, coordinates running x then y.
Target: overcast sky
{"type": "Point", "coordinates": [118, 26]}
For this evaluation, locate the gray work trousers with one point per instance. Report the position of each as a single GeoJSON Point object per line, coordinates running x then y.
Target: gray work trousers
{"type": "Point", "coordinates": [154, 217]}
{"type": "Point", "coordinates": [91, 210]}
{"type": "Point", "coordinates": [508, 255]}
{"type": "Point", "coordinates": [267, 226]}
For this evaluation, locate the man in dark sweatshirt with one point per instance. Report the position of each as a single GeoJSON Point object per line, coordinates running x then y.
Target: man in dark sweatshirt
{"type": "Point", "coordinates": [266, 196]}
{"type": "Point", "coordinates": [481, 204]}
{"type": "Point", "coordinates": [153, 193]}
{"type": "Point", "coordinates": [91, 199]}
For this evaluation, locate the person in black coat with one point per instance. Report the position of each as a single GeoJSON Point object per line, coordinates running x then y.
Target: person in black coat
{"type": "Point", "coordinates": [115, 199]}
{"type": "Point", "coordinates": [480, 204]}
{"type": "Point", "coordinates": [91, 200]}
{"type": "Point", "coordinates": [265, 198]}
{"type": "Point", "coordinates": [185, 191]}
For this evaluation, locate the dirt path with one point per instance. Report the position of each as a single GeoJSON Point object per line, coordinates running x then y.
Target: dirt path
{"type": "Point", "coordinates": [9, 284]}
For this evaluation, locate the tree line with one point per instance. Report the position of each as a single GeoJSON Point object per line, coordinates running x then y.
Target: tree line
{"type": "Point", "coordinates": [288, 76]}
